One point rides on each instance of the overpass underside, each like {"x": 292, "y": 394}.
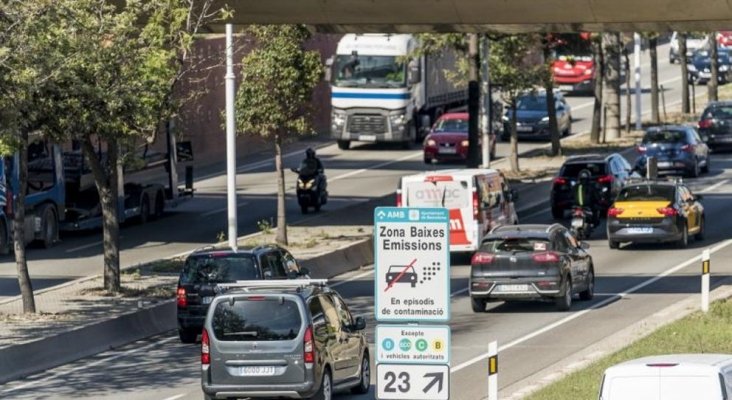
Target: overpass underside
{"x": 508, "y": 16}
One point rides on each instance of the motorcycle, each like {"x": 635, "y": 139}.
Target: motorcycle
{"x": 582, "y": 224}
{"x": 311, "y": 190}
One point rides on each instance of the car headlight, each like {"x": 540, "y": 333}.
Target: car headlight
{"x": 723, "y": 68}
{"x": 397, "y": 121}
{"x": 505, "y": 118}
{"x": 691, "y": 67}
{"x": 339, "y": 119}
{"x": 431, "y": 142}
{"x": 545, "y": 119}
{"x": 588, "y": 71}
{"x": 465, "y": 143}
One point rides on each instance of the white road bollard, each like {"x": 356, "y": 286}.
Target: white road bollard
{"x": 493, "y": 370}
{"x": 706, "y": 269}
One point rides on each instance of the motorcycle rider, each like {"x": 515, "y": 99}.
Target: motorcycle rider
{"x": 311, "y": 166}
{"x": 585, "y": 196}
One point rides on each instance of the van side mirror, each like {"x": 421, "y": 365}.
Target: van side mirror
{"x": 414, "y": 72}
{"x": 329, "y": 69}
{"x": 360, "y": 324}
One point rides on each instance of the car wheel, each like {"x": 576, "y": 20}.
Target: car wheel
{"x": 705, "y": 168}
{"x": 478, "y": 305}
{"x": 694, "y": 172}
{"x": 343, "y": 144}
{"x": 187, "y": 335}
{"x": 589, "y": 293}
{"x": 365, "y": 383}
{"x": 564, "y": 302}
{"x": 326, "y": 388}
{"x": 613, "y": 244}
{"x": 557, "y": 213}
{"x": 684, "y": 240}
{"x": 159, "y": 205}
{"x": 50, "y": 227}
{"x": 702, "y": 226}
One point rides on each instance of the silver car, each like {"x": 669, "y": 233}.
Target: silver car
{"x": 291, "y": 339}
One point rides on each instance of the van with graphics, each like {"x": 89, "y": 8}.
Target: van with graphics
{"x": 478, "y": 200}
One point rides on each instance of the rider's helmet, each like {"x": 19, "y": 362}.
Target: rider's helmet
{"x": 310, "y": 153}
{"x": 584, "y": 176}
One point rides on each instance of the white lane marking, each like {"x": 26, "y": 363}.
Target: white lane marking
{"x": 384, "y": 164}
{"x": 176, "y": 397}
{"x": 86, "y": 366}
{"x": 715, "y": 186}
{"x": 603, "y": 303}
{"x": 220, "y": 210}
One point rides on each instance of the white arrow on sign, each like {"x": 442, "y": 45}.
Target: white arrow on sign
{"x": 412, "y": 382}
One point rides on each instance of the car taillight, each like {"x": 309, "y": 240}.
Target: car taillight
{"x": 688, "y": 148}
{"x": 475, "y": 204}
{"x": 482, "y": 258}
{"x": 308, "y": 346}
{"x": 548, "y": 256}
{"x": 398, "y": 199}
{"x": 205, "y": 349}
{"x": 614, "y": 212}
{"x": 706, "y": 123}
{"x": 641, "y": 149}
{"x": 578, "y": 212}
{"x": 667, "y": 211}
{"x": 605, "y": 179}
{"x": 180, "y": 297}
{"x": 560, "y": 181}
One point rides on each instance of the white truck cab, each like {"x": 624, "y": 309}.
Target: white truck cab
{"x": 670, "y": 377}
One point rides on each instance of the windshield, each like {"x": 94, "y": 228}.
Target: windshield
{"x": 665, "y": 137}
{"x": 369, "y": 71}
{"x": 452, "y": 125}
{"x": 513, "y": 245}
{"x": 448, "y": 194}
{"x": 531, "y": 103}
{"x": 647, "y": 193}
{"x": 256, "y": 320}
{"x": 719, "y": 112}
{"x": 212, "y": 270}
{"x": 704, "y": 56}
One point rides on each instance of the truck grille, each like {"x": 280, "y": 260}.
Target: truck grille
{"x": 367, "y": 124}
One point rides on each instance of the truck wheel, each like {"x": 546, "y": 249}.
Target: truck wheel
{"x": 343, "y": 144}
{"x": 144, "y": 210}
{"x": 50, "y": 227}
{"x": 159, "y": 205}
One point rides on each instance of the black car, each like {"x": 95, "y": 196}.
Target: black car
{"x": 676, "y": 148}
{"x": 532, "y": 117}
{"x": 700, "y": 66}
{"x": 206, "y": 268}
{"x": 608, "y": 173}
{"x": 715, "y": 124}
{"x": 531, "y": 262}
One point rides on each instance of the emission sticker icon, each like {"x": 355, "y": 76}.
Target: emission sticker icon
{"x": 423, "y": 344}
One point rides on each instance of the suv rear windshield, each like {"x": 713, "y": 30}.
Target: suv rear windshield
{"x": 718, "y": 112}
{"x": 207, "y": 269}
{"x": 665, "y": 137}
{"x": 513, "y": 245}
{"x": 572, "y": 170}
{"x": 256, "y": 320}
{"x": 646, "y": 193}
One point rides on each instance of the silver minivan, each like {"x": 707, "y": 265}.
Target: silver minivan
{"x": 287, "y": 339}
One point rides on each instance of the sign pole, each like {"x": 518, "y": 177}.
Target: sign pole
{"x": 493, "y": 370}
{"x": 706, "y": 269}
{"x": 230, "y": 140}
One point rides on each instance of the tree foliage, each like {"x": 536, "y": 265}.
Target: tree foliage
{"x": 274, "y": 97}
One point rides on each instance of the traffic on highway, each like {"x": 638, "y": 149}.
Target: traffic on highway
{"x": 548, "y": 268}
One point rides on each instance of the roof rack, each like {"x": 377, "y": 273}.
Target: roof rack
{"x": 272, "y": 283}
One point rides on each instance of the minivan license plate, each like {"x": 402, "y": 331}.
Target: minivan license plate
{"x": 257, "y": 370}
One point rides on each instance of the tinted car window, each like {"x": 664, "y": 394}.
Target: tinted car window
{"x": 208, "y": 269}
{"x": 647, "y": 193}
{"x": 273, "y": 265}
{"x": 256, "y": 320}
{"x": 573, "y": 169}
{"x": 514, "y": 245}
{"x": 719, "y": 112}
{"x": 666, "y": 136}
{"x": 531, "y": 103}
{"x": 451, "y": 125}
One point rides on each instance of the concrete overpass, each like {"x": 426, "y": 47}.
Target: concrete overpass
{"x": 488, "y": 15}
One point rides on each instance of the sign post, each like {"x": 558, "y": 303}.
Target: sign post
{"x": 411, "y": 286}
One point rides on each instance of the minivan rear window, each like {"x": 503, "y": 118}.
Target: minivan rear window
{"x": 665, "y": 137}
{"x": 572, "y": 170}
{"x": 448, "y": 194}
{"x": 256, "y": 320}
{"x": 210, "y": 270}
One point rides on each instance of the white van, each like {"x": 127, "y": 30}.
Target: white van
{"x": 478, "y": 201}
{"x": 670, "y": 377}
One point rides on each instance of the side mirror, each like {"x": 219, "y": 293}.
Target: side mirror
{"x": 584, "y": 245}
{"x": 329, "y": 69}
{"x": 414, "y": 72}
{"x": 360, "y": 324}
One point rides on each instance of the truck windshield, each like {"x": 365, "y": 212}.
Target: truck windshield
{"x": 368, "y": 71}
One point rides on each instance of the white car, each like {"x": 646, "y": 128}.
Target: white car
{"x": 692, "y": 44}
{"x": 670, "y": 377}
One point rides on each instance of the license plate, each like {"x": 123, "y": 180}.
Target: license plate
{"x": 448, "y": 150}
{"x": 664, "y": 164}
{"x": 567, "y": 88}
{"x": 577, "y": 222}
{"x": 640, "y": 230}
{"x": 207, "y": 299}
{"x": 257, "y": 370}
{"x": 512, "y": 288}
{"x": 524, "y": 129}
{"x": 367, "y": 138}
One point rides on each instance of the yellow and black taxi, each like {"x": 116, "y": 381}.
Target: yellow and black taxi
{"x": 653, "y": 212}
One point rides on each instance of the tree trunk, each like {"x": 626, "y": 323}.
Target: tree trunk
{"x": 597, "y": 106}
{"x": 628, "y": 94}
{"x": 281, "y": 216}
{"x": 106, "y": 178}
{"x": 550, "y": 103}
{"x": 713, "y": 82}
{"x": 685, "y": 106}
{"x": 655, "y": 115}
{"x": 473, "y": 101}
{"x": 611, "y": 41}
{"x": 514, "y": 138}
{"x": 21, "y": 263}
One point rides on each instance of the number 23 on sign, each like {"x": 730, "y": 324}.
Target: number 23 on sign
{"x": 412, "y": 382}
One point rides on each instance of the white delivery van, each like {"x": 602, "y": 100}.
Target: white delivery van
{"x": 478, "y": 200}
{"x": 670, "y": 377}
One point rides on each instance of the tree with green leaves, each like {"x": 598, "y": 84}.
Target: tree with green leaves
{"x": 514, "y": 70}
{"x": 273, "y": 101}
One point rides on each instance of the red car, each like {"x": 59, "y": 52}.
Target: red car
{"x": 724, "y": 39}
{"x": 448, "y": 140}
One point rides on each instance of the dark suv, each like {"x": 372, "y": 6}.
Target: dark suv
{"x": 205, "y": 268}
{"x": 292, "y": 339}
{"x": 609, "y": 173}
{"x": 715, "y": 124}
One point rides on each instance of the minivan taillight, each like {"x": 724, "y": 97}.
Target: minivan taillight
{"x": 180, "y": 297}
{"x": 205, "y": 349}
{"x": 308, "y": 346}
{"x": 482, "y": 258}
